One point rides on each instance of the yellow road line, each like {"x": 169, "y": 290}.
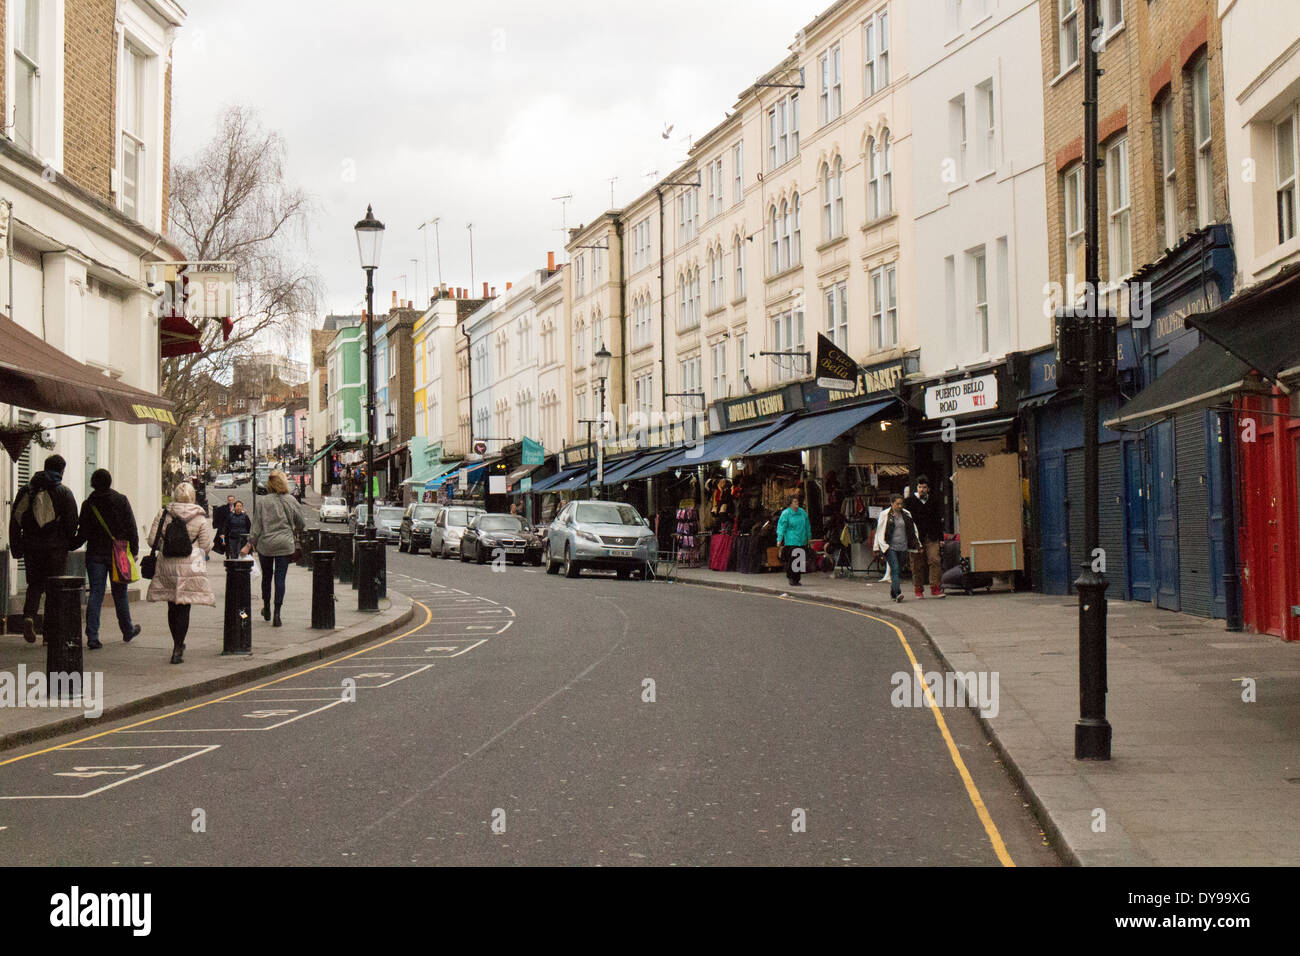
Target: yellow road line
{"x": 428, "y": 616}
{"x": 972, "y": 791}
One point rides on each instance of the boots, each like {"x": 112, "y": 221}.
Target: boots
{"x": 266, "y": 610}
{"x": 178, "y": 654}
{"x": 275, "y": 622}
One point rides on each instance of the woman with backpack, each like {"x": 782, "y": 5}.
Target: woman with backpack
{"x": 182, "y": 536}
{"x": 277, "y": 522}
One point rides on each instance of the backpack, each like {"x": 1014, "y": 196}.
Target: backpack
{"x": 176, "y": 540}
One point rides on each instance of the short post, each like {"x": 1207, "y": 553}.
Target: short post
{"x": 356, "y": 557}
{"x": 383, "y": 569}
{"x": 367, "y": 576}
{"x": 62, "y": 634}
{"x": 322, "y": 590}
{"x": 238, "y": 635}
{"x": 343, "y": 548}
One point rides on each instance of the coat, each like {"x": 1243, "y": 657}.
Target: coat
{"x": 927, "y": 516}
{"x": 26, "y": 534}
{"x": 115, "y": 509}
{"x": 883, "y": 529}
{"x": 184, "y": 580}
{"x": 793, "y": 529}
{"x": 276, "y": 525}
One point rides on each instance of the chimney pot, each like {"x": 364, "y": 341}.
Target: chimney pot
{"x": 485, "y": 290}
{"x": 508, "y": 285}
{"x": 394, "y": 298}
{"x": 494, "y": 292}
{"x": 550, "y": 262}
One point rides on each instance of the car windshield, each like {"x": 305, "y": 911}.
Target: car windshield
{"x": 388, "y": 514}
{"x": 425, "y": 512}
{"x": 500, "y": 523}
{"x": 460, "y": 516}
{"x": 606, "y": 512}
{"x": 333, "y": 501}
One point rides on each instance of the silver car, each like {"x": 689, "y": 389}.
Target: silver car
{"x": 599, "y": 534}
{"x": 444, "y": 538}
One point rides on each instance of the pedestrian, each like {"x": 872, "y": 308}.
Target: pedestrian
{"x": 106, "y": 516}
{"x": 895, "y": 536}
{"x": 42, "y": 527}
{"x": 220, "y": 517}
{"x": 926, "y": 514}
{"x": 181, "y": 579}
{"x": 238, "y": 526}
{"x": 793, "y": 531}
{"x": 274, "y": 537}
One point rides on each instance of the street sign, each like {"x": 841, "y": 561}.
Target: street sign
{"x": 533, "y": 453}
{"x": 480, "y": 448}
{"x": 1071, "y": 345}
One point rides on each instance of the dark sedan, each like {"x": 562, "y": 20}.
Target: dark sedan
{"x": 508, "y": 535}
{"x": 417, "y": 523}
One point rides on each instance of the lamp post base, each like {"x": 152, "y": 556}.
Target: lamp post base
{"x": 1092, "y": 739}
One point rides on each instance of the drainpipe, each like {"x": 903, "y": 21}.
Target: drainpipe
{"x": 622, "y": 307}
{"x": 663, "y": 333}
{"x": 469, "y": 379}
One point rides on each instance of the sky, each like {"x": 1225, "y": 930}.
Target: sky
{"x": 472, "y": 112}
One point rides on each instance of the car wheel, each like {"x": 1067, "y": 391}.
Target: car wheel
{"x": 623, "y": 574}
{"x": 444, "y": 553}
{"x": 571, "y": 568}
{"x": 479, "y": 556}
{"x": 552, "y": 566}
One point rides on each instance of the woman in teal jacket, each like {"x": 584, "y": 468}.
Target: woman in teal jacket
{"x": 793, "y": 532}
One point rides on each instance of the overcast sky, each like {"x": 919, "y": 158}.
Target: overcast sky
{"x": 470, "y": 111}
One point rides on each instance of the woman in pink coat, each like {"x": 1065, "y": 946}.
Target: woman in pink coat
{"x": 182, "y": 582}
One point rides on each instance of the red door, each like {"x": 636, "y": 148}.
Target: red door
{"x": 1271, "y": 587}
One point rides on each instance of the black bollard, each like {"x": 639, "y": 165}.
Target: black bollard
{"x": 238, "y": 635}
{"x": 356, "y": 557}
{"x": 367, "y": 576}
{"x": 322, "y": 590}
{"x": 63, "y": 635}
{"x": 311, "y": 544}
{"x": 345, "y": 564}
{"x": 383, "y": 569}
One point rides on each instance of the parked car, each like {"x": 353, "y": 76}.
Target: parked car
{"x": 417, "y": 523}
{"x": 599, "y": 534}
{"x": 357, "y": 519}
{"x": 261, "y": 473}
{"x": 333, "y": 509}
{"x": 514, "y": 536}
{"x": 388, "y": 522}
{"x": 224, "y": 481}
{"x": 444, "y": 538}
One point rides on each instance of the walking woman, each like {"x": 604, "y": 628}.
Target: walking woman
{"x": 895, "y": 537}
{"x": 181, "y": 581}
{"x": 277, "y": 523}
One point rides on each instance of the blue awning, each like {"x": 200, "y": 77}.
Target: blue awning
{"x": 549, "y": 483}
{"x": 453, "y": 472}
{"x": 717, "y": 447}
{"x": 576, "y": 479}
{"x": 814, "y": 431}
{"x": 616, "y": 472}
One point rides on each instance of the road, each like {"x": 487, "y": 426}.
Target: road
{"x": 527, "y": 719}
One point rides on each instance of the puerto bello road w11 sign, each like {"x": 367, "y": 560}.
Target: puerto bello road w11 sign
{"x": 962, "y": 397}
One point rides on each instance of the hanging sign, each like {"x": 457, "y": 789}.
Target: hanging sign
{"x": 966, "y": 396}
{"x": 835, "y": 369}
{"x": 532, "y": 453}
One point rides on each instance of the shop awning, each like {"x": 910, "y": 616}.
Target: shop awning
{"x": 814, "y": 431}
{"x": 550, "y": 481}
{"x": 435, "y": 478}
{"x": 36, "y": 375}
{"x": 1203, "y": 377}
{"x": 322, "y": 453}
{"x": 1259, "y": 326}
{"x": 712, "y": 448}
{"x": 618, "y": 471}
{"x": 988, "y": 428}
{"x": 519, "y": 474}
{"x": 580, "y": 478}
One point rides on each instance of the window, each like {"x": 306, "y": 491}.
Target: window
{"x": 875, "y": 45}
{"x": 643, "y": 386}
{"x": 1112, "y": 15}
{"x": 1201, "y": 127}
{"x": 597, "y": 267}
{"x": 713, "y": 182}
{"x": 880, "y": 177}
{"x": 884, "y": 308}
{"x": 954, "y": 17}
{"x": 1168, "y": 165}
{"x": 957, "y": 134}
{"x": 980, "y": 283}
{"x": 579, "y": 276}
{"x": 742, "y": 358}
{"x": 689, "y": 376}
{"x": 775, "y": 222}
{"x": 829, "y": 101}
{"x": 27, "y": 79}
{"x": 718, "y": 366}
{"x": 641, "y": 244}
{"x": 1118, "y": 211}
{"x": 795, "y": 229}
{"x": 737, "y": 173}
{"x": 688, "y": 299}
{"x": 579, "y": 343}
{"x": 833, "y": 199}
{"x": 738, "y": 251}
{"x": 837, "y": 314}
{"x": 1073, "y": 195}
{"x": 787, "y": 337}
{"x": 1285, "y": 137}
{"x": 92, "y": 454}
{"x": 783, "y": 130}
{"x": 887, "y": 175}
{"x": 988, "y": 124}
{"x": 716, "y": 292}
{"x": 688, "y": 210}
{"x": 641, "y": 321}
{"x": 1068, "y": 29}
{"x": 133, "y": 160}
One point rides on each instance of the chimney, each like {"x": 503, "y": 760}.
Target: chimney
{"x": 508, "y": 285}
{"x": 394, "y": 299}
{"x": 410, "y": 303}
{"x": 485, "y": 290}
{"x": 550, "y": 262}
{"x": 494, "y": 292}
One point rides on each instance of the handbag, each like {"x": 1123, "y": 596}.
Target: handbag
{"x": 149, "y": 563}
{"x": 122, "y": 569}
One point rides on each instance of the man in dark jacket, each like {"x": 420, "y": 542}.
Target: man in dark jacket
{"x": 42, "y": 524}
{"x": 106, "y": 516}
{"x": 221, "y": 518}
{"x": 927, "y": 513}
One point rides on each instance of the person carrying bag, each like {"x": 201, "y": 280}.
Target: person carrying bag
{"x": 107, "y": 528}
{"x": 277, "y": 522}
{"x": 180, "y": 573}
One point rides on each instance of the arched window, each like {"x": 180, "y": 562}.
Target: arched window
{"x": 739, "y": 253}
{"x": 873, "y": 180}
{"x": 887, "y": 175}
{"x": 787, "y": 224}
{"x": 774, "y": 222}
{"x": 796, "y": 231}
{"x": 828, "y": 215}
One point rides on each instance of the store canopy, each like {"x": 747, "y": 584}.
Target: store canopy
{"x": 712, "y": 448}
{"x": 435, "y": 478}
{"x": 986, "y": 428}
{"x": 322, "y": 453}
{"x": 519, "y": 474}
{"x": 36, "y": 375}
{"x": 1259, "y": 326}
{"x": 617, "y": 471}
{"x": 579, "y": 478}
{"x": 1201, "y": 378}
{"x": 814, "y": 431}
{"x": 550, "y": 481}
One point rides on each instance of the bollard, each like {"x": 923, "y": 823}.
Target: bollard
{"x": 310, "y": 545}
{"x": 356, "y": 557}
{"x": 322, "y": 590}
{"x": 367, "y": 576}
{"x": 345, "y": 565}
{"x": 383, "y": 569}
{"x": 63, "y": 635}
{"x": 238, "y": 635}
{"x": 304, "y": 551}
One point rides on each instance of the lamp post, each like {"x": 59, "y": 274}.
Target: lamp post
{"x": 603, "y": 358}
{"x": 370, "y": 240}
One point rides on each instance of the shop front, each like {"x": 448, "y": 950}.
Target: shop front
{"x": 966, "y": 440}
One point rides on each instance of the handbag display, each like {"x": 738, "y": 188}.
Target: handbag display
{"x": 122, "y": 568}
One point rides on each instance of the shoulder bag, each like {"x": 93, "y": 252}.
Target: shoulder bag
{"x": 149, "y": 563}
{"x": 122, "y": 569}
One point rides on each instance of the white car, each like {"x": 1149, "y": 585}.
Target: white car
{"x": 224, "y": 481}
{"x": 334, "y": 509}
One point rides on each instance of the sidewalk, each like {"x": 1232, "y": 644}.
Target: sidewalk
{"x": 1197, "y": 776}
{"x": 138, "y": 677}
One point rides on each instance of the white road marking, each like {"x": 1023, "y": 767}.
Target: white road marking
{"x": 199, "y": 751}
{"x": 236, "y": 730}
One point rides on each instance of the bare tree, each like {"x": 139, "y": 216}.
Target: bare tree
{"x": 231, "y": 202}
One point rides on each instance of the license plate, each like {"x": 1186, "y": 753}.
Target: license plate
{"x": 514, "y": 550}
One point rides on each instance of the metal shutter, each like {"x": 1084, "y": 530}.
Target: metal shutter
{"x": 1196, "y": 590}
{"x": 24, "y": 472}
{"x": 1074, "y": 505}
{"x": 1110, "y": 514}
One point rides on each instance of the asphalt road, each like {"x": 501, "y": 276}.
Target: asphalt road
{"x": 527, "y": 719}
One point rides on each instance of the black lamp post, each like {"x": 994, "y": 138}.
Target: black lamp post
{"x": 602, "y": 358}
{"x": 370, "y": 240}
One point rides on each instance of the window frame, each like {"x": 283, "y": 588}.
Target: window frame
{"x": 1168, "y": 168}
{"x": 835, "y": 299}
{"x": 1286, "y": 188}
{"x": 1203, "y": 147}
{"x": 1073, "y": 239}
{"x": 1119, "y": 217}
{"x": 1063, "y": 37}
{"x": 980, "y": 292}
{"x": 875, "y": 44}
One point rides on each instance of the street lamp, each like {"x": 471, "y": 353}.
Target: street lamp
{"x": 391, "y": 418}
{"x": 603, "y": 358}
{"x": 370, "y": 241}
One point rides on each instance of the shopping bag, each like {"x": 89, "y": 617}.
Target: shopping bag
{"x": 257, "y": 569}
{"x": 122, "y": 568}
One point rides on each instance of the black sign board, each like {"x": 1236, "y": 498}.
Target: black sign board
{"x": 1071, "y": 346}
{"x": 835, "y": 369}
